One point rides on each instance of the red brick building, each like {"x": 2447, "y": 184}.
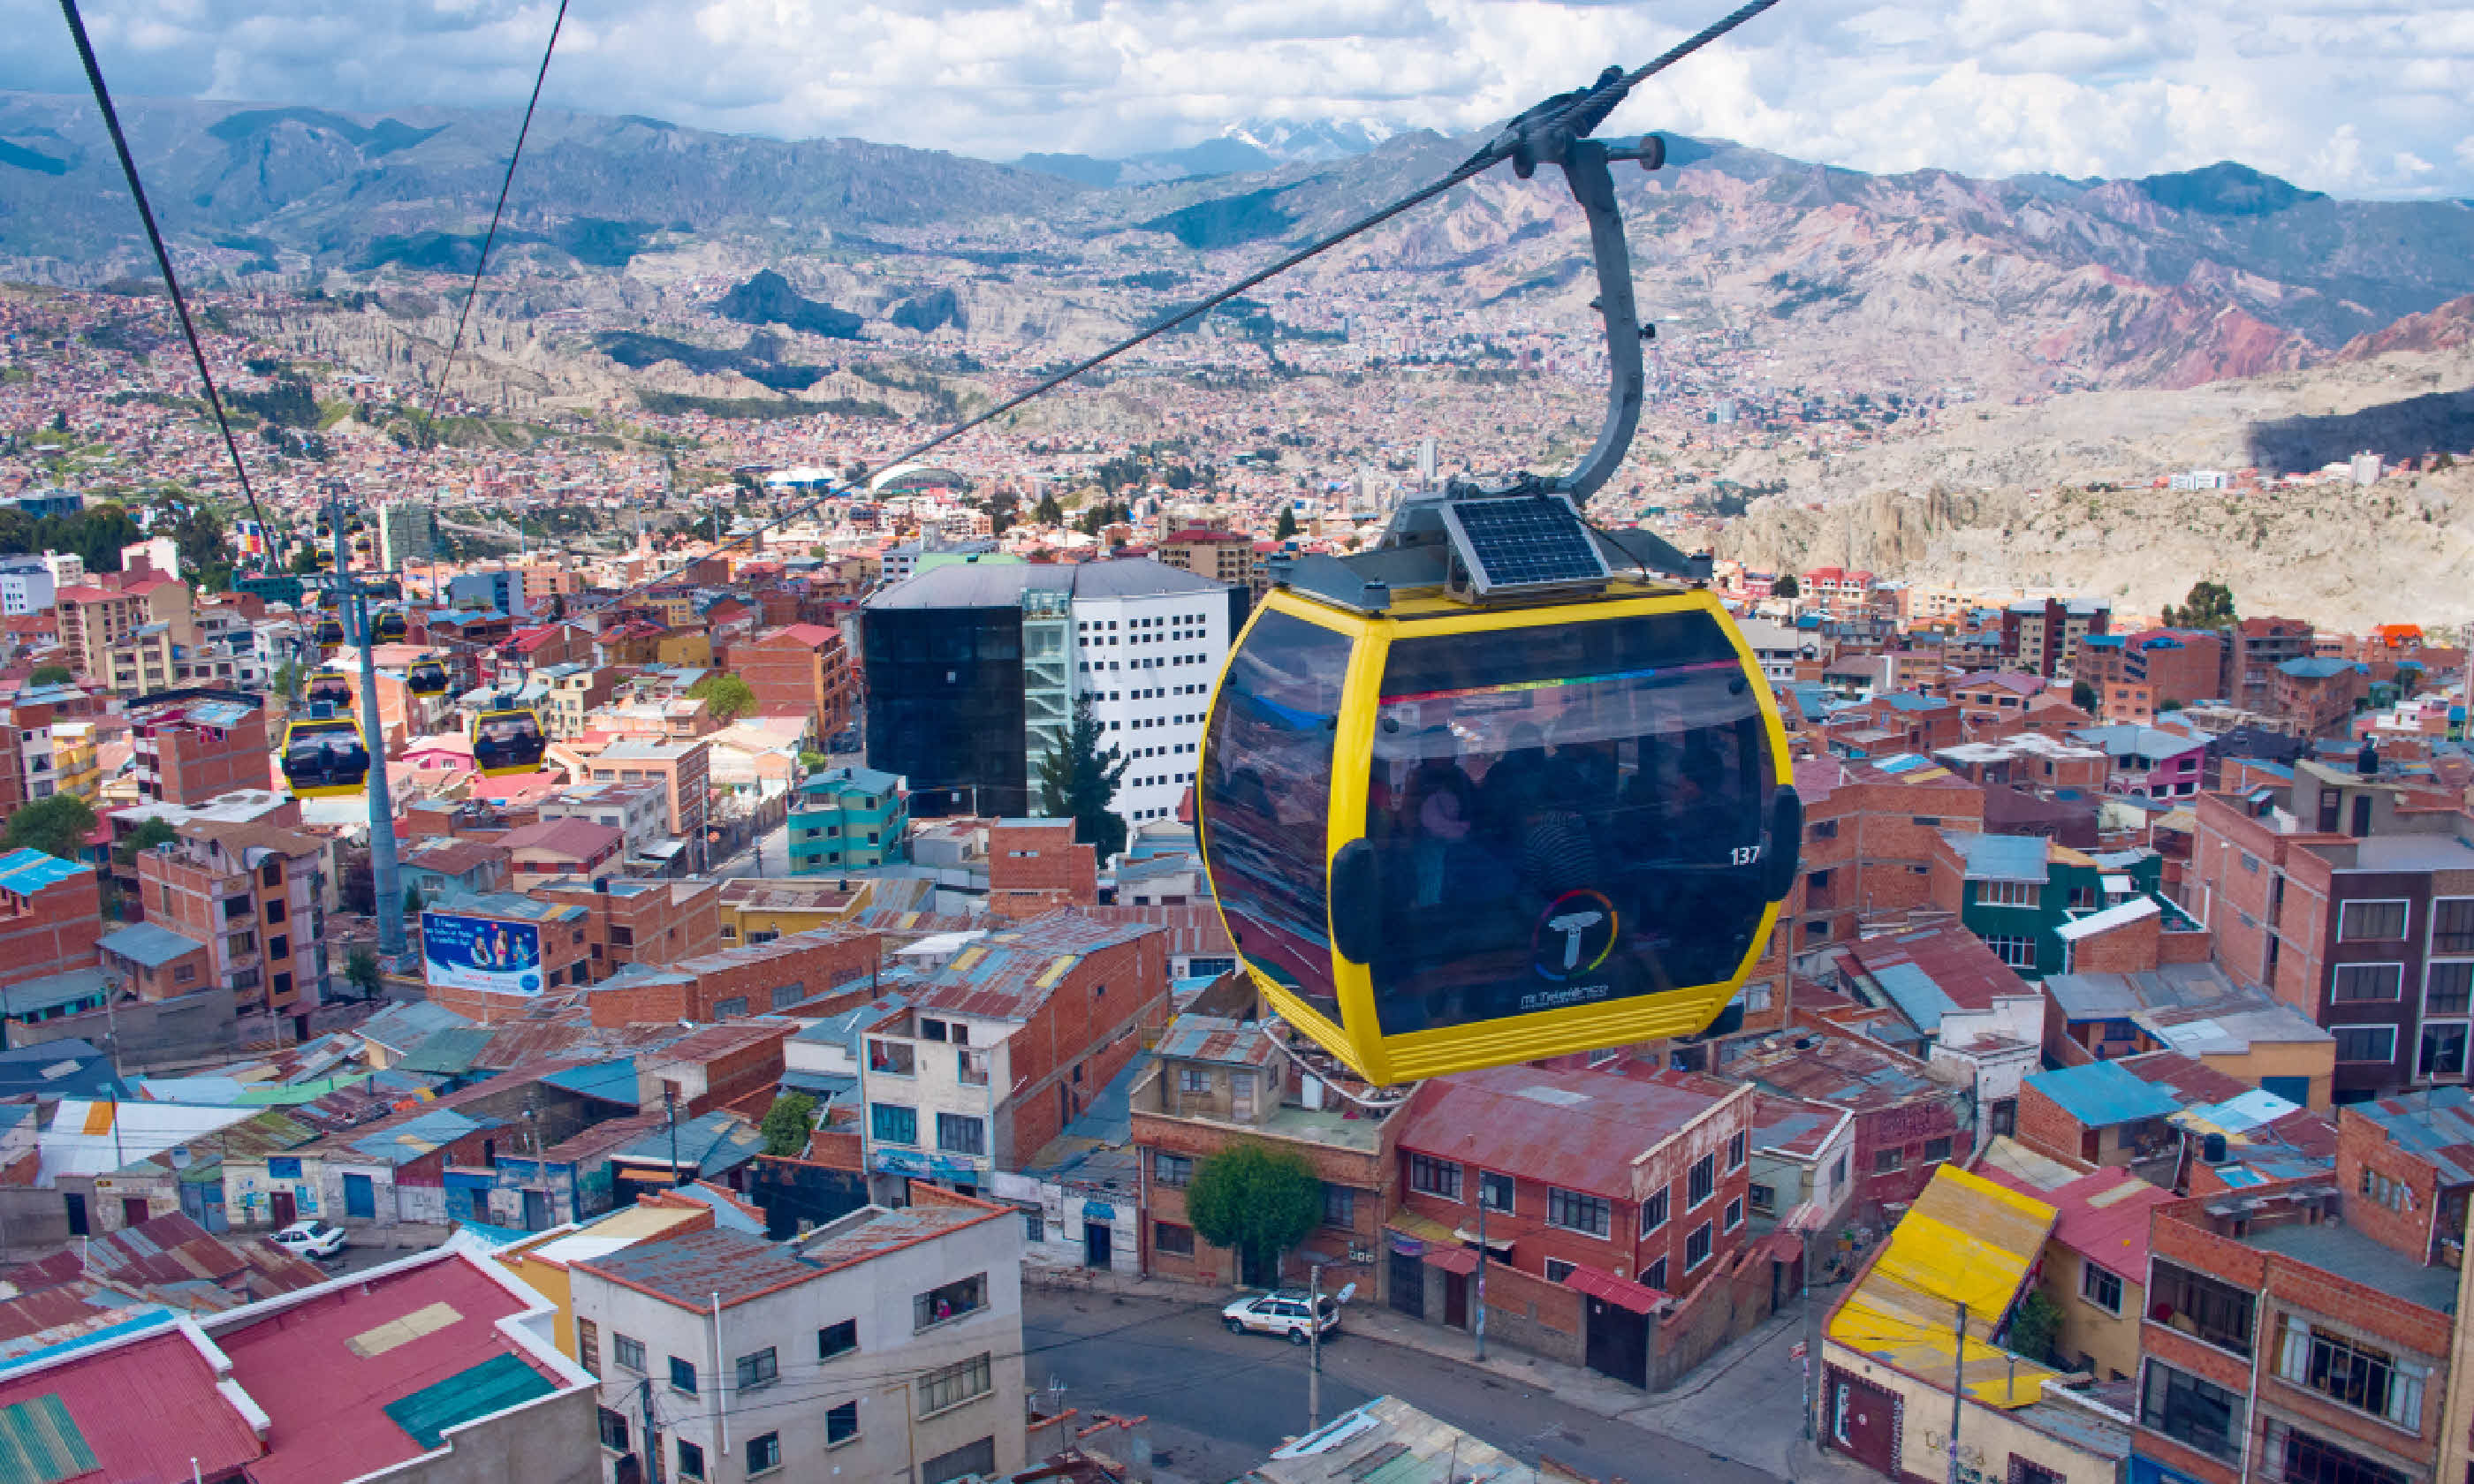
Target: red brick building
{"x": 2316, "y": 698}
{"x": 1906, "y": 1121}
{"x": 799, "y": 670}
{"x": 563, "y": 957}
{"x": 255, "y": 894}
{"x": 2136, "y": 675}
{"x": 826, "y": 971}
{"x": 2257, "y": 647}
{"x": 1638, "y": 1176}
{"x": 561, "y": 848}
{"x": 51, "y": 913}
{"x": 628, "y": 921}
{"x": 1035, "y": 867}
{"x": 193, "y": 746}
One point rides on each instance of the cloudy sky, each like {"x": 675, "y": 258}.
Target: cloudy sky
{"x": 2355, "y": 97}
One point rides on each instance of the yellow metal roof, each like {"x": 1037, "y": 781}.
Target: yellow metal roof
{"x": 1966, "y": 1241}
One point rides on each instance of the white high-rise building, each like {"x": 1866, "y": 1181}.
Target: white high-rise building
{"x": 1149, "y": 641}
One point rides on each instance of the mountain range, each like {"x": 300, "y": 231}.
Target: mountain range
{"x": 2018, "y": 285}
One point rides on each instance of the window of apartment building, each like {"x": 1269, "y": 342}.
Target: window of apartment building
{"x": 1172, "y": 1241}
{"x": 1557, "y": 1270}
{"x": 2443, "y": 1049}
{"x": 1936, "y": 1150}
{"x": 962, "y": 1134}
{"x": 841, "y": 1423}
{"x": 1821, "y": 829}
{"x": 956, "y": 1384}
{"x": 838, "y": 1339}
{"x": 2302, "y": 1458}
{"x": 2365, "y": 1043}
{"x": 1735, "y": 1151}
{"x": 1702, "y": 1182}
{"x": 952, "y": 1300}
{"x": 730, "y": 1009}
{"x": 1495, "y": 1192}
{"x": 980, "y": 1458}
{"x": 1338, "y": 1206}
{"x": 891, "y": 1058}
{"x": 2012, "y": 949}
{"x": 683, "y": 1375}
{"x": 588, "y": 1342}
{"x": 2448, "y": 988}
{"x": 2353, "y": 982}
{"x": 614, "y": 1431}
{"x": 761, "y": 1369}
{"x": 2191, "y": 1411}
{"x": 764, "y": 1455}
{"x": 2371, "y": 921}
{"x": 1652, "y": 1211}
{"x": 691, "y": 1460}
{"x": 628, "y": 1352}
{"x": 275, "y": 909}
{"x": 891, "y": 1123}
{"x": 272, "y": 873}
{"x": 2379, "y": 1189}
{"x": 1885, "y": 1161}
{"x": 281, "y": 987}
{"x": 1764, "y": 1198}
{"x": 2007, "y": 894}
{"x": 2452, "y": 924}
{"x": 1173, "y": 1170}
{"x": 1696, "y": 1247}
{"x": 2191, "y": 1301}
{"x": 1574, "y": 1211}
{"x": 1430, "y": 1175}
{"x": 2347, "y": 1370}
{"x": 1193, "y": 1079}
{"x": 2101, "y": 1286}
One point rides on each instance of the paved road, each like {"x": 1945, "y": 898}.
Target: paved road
{"x": 776, "y": 847}
{"x": 1217, "y": 1402}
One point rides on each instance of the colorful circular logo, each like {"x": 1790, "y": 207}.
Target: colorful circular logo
{"x": 1573, "y": 935}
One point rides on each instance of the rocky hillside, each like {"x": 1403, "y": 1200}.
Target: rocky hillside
{"x": 2000, "y": 497}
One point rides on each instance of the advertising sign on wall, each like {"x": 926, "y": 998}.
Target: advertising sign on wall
{"x": 480, "y": 953}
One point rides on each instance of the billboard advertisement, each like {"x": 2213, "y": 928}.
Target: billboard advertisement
{"x": 480, "y": 953}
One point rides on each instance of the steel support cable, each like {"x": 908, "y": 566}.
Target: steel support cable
{"x": 446, "y": 369}
{"x": 163, "y": 261}
{"x": 1591, "y": 105}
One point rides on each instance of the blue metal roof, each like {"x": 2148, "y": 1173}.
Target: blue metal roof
{"x": 411, "y": 1140}
{"x": 150, "y": 944}
{"x": 2317, "y": 669}
{"x": 2103, "y": 1093}
{"x": 1917, "y": 998}
{"x": 612, "y": 1082}
{"x": 2000, "y": 857}
{"x": 31, "y": 871}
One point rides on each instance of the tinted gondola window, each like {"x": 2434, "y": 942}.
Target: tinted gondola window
{"x": 1265, "y": 797}
{"x": 1564, "y": 816}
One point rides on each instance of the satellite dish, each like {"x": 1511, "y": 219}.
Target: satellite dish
{"x": 181, "y": 1156}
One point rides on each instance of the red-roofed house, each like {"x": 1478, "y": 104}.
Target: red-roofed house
{"x": 798, "y": 670}
{"x": 562, "y": 847}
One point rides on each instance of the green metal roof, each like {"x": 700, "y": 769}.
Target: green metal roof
{"x": 494, "y": 1385}
{"x": 39, "y": 1443}
{"x": 293, "y": 1093}
{"x": 448, "y": 1053}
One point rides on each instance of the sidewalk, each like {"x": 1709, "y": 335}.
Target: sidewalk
{"x": 1743, "y": 1405}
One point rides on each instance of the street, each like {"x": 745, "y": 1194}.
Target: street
{"x": 1219, "y": 1401}
{"x": 774, "y": 846}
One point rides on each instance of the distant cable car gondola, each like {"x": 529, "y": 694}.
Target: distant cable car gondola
{"x": 331, "y": 632}
{"x": 425, "y": 678}
{"x": 1473, "y": 797}
{"x": 324, "y": 756}
{"x": 507, "y": 738}
{"x": 330, "y": 689}
{"x": 391, "y": 628}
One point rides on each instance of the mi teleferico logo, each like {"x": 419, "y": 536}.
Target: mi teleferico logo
{"x": 1573, "y": 935}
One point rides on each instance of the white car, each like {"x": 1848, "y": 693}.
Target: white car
{"x": 1282, "y": 1313}
{"x": 310, "y": 1239}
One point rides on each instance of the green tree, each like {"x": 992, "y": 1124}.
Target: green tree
{"x": 1257, "y": 1200}
{"x": 361, "y": 970}
{"x": 1785, "y": 587}
{"x": 145, "y": 837}
{"x": 2207, "y": 605}
{"x": 726, "y": 695}
{"x": 787, "y": 1123}
{"x": 1287, "y": 526}
{"x": 413, "y": 901}
{"x": 1049, "y": 513}
{"x": 51, "y": 675}
{"x": 305, "y": 562}
{"x": 2034, "y": 1325}
{"x": 1079, "y": 781}
{"x": 2083, "y": 696}
{"x": 57, "y": 826}
{"x": 811, "y": 760}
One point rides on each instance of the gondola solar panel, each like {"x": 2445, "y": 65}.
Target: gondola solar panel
{"x": 1524, "y": 542}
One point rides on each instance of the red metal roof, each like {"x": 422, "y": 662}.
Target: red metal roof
{"x": 1622, "y": 1292}
{"x": 1579, "y": 1129}
{"x": 147, "y": 1410}
{"x": 1954, "y": 959}
{"x": 1462, "y": 1260}
{"x": 2103, "y": 1216}
{"x": 324, "y": 1398}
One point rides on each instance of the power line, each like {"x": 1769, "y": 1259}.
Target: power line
{"x": 163, "y": 261}
{"x": 430, "y": 423}
{"x": 1577, "y": 112}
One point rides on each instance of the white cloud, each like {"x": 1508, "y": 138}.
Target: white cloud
{"x": 2348, "y": 96}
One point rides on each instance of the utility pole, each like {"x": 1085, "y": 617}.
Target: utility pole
{"x": 1314, "y": 1348}
{"x": 671, "y": 1106}
{"x": 1479, "y": 1326}
{"x": 1957, "y": 1389}
{"x": 1811, "y": 1333}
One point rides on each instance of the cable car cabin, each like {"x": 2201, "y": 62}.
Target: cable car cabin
{"x": 331, "y": 632}
{"x": 390, "y": 627}
{"x": 330, "y": 688}
{"x": 507, "y": 739}
{"x": 325, "y": 757}
{"x": 425, "y": 678}
{"x": 1470, "y": 799}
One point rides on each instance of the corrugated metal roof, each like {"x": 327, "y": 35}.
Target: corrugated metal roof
{"x": 186, "y": 1419}
{"x": 1966, "y": 1241}
{"x": 2103, "y": 1093}
{"x": 2000, "y": 857}
{"x": 28, "y": 872}
{"x": 39, "y": 1443}
{"x": 495, "y": 1384}
{"x": 449, "y": 1053}
{"x": 1579, "y": 1129}
{"x": 150, "y": 944}
{"x": 1200, "y": 1037}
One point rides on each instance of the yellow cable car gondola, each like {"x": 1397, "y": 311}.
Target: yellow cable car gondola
{"x": 330, "y": 688}
{"x": 507, "y": 738}
{"x": 331, "y": 632}
{"x": 324, "y": 756}
{"x": 391, "y": 628}
{"x": 426, "y": 677}
{"x": 1472, "y": 798}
